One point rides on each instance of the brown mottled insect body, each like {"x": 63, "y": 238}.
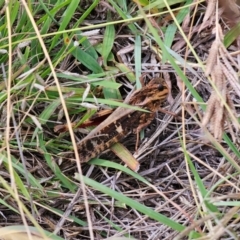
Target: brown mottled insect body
{"x": 116, "y": 132}
{"x": 124, "y": 121}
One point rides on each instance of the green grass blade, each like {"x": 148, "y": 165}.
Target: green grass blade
{"x": 108, "y": 40}
{"x": 106, "y": 163}
{"x": 86, "y": 59}
{"x": 138, "y": 60}
{"x": 172, "y": 28}
{"x": 49, "y": 14}
{"x": 134, "y": 204}
{"x": 231, "y": 145}
{"x": 87, "y": 12}
{"x": 74, "y": 218}
{"x": 171, "y": 60}
{"x": 14, "y": 11}
{"x": 54, "y": 167}
{"x": 87, "y": 46}
{"x": 4, "y": 203}
{"x": 17, "y": 166}
{"x": 232, "y": 35}
{"x": 123, "y": 15}
{"x": 48, "y": 111}
{"x": 200, "y": 184}
{"x": 111, "y": 93}
{"x": 66, "y": 18}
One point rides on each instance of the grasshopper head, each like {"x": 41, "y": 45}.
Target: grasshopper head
{"x": 153, "y": 93}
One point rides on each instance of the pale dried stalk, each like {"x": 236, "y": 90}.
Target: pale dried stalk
{"x": 218, "y": 120}
{"x": 233, "y": 110}
{"x": 212, "y": 57}
{"x": 210, "y": 109}
{"x": 229, "y": 56}
{"x": 169, "y": 83}
{"x": 210, "y": 10}
{"x": 232, "y": 80}
{"x": 215, "y": 111}
{"x": 228, "y": 70}
{"x": 217, "y": 114}
{"x": 209, "y": 14}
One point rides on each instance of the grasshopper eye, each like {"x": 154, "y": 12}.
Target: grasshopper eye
{"x": 160, "y": 87}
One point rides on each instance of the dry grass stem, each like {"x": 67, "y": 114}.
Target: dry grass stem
{"x": 209, "y": 14}
{"x": 212, "y": 57}
{"x": 217, "y": 114}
